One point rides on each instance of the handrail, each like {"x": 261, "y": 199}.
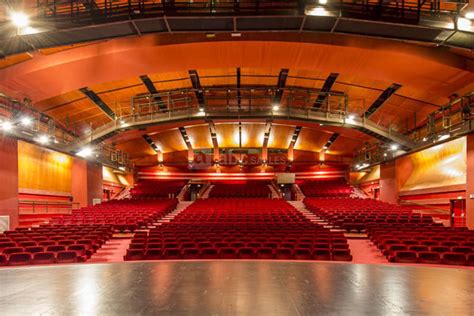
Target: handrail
{"x": 256, "y": 103}
{"x": 47, "y": 206}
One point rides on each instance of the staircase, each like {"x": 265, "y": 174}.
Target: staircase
{"x": 183, "y": 191}
{"x": 299, "y": 205}
{"x": 358, "y": 193}
{"x": 124, "y": 194}
{"x": 299, "y": 194}
{"x": 179, "y": 208}
{"x": 275, "y": 193}
{"x": 205, "y": 193}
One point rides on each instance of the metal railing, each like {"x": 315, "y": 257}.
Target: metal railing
{"x": 89, "y": 11}
{"x": 47, "y": 207}
{"x": 237, "y": 104}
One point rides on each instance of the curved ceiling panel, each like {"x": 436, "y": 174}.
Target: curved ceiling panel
{"x": 169, "y": 141}
{"x": 435, "y": 72}
{"x": 280, "y": 136}
{"x": 199, "y": 136}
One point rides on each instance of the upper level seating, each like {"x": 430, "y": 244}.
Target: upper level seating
{"x": 121, "y": 215}
{"x": 356, "y": 214}
{"x": 420, "y": 243}
{"x": 326, "y": 188}
{"x": 248, "y": 190}
{"x": 52, "y": 244}
{"x": 239, "y": 229}
{"x": 156, "y": 189}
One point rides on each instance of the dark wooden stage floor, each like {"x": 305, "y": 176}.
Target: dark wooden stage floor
{"x": 235, "y": 288}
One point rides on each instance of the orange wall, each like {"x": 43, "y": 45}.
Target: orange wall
{"x": 439, "y": 166}
{"x": 43, "y": 170}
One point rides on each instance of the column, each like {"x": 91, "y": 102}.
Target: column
{"x": 9, "y": 177}
{"x": 470, "y": 181}
{"x": 388, "y": 183}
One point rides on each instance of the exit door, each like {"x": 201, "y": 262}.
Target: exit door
{"x": 458, "y": 213}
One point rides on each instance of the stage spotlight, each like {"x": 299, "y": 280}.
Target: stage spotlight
{"x": 7, "y": 126}
{"x": 85, "y": 152}
{"x": 26, "y": 121}
{"x": 43, "y": 139}
{"x": 19, "y": 19}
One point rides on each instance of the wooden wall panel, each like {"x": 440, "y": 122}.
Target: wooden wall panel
{"x": 43, "y": 170}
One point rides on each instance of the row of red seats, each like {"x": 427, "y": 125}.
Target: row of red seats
{"x": 153, "y": 189}
{"x": 121, "y": 215}
{"x": 239, "y": 229}
{"x": 358, "y": 214}
{"x": 239, "y": 253}
{"x": 240, "y": 191}
{"x": 44, "y": 245}
{"x": 445, "y": 245}
{"x": 326, "y": 188}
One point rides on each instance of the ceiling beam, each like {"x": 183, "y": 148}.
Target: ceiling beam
{"x": 185, "y": 136}
{"x": 239, "y": 101}
{"x": 266, "y": 137}
{"x": 280, "y": 86}
{"x": 331, "y": 141}
{"x": 194, "y": 76}
{"x": 152, "y": 144}
{"x": 383, "y": 97}
{"x": 215, "y": 143}
{"x": 327, "y": 86}
{"x": 152, "y": 89}
{"x": 293, "y": 141}
{"x": 99, "y": 102}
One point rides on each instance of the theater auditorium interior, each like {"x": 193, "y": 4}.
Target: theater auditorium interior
{"x": 236, "y": 157}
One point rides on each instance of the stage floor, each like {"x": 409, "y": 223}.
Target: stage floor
{"x": 235, "y": 288}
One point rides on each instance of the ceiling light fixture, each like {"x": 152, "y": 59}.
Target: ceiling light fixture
{"x": 26, "y": 121}
{"x": 43, "y": 139}
{"x": 19, "y": 19}
{"x": 469, "y": 15}
{"x": 7, "y": 126}
{"x": 393, "y": 147}
{"x": 85, "y": 152}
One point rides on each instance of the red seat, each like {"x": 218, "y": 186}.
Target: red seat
{"x": 341, "y": 255}
{"x": 66, "y": 257}
{"x": 43, "y": 258}
{"x": 34, "y": 249}
{"x": 172, "y": 253}
{"x": 470, "y": 259}
{"x": 209, "y": 253}
{"x": 134, "y": 254}
{"x": 3, "y": 260}
{"x": 405, "y": 256}
{"x": 429, "y": 257}
{"x": 228, "y": 253}
{"x": 284, "y": 254}
{"x": 454, "y": 258}
{"x": 190, "y": 253}
{"x": 302, "y": 254}
{"x": 246, "y": 253}
{"x": 321, "y": 254}
{"x": 19, "y": 259}
{"x": 153, "y": 254}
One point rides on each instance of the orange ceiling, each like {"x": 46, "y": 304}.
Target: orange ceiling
{"x": 112, "y": 68}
